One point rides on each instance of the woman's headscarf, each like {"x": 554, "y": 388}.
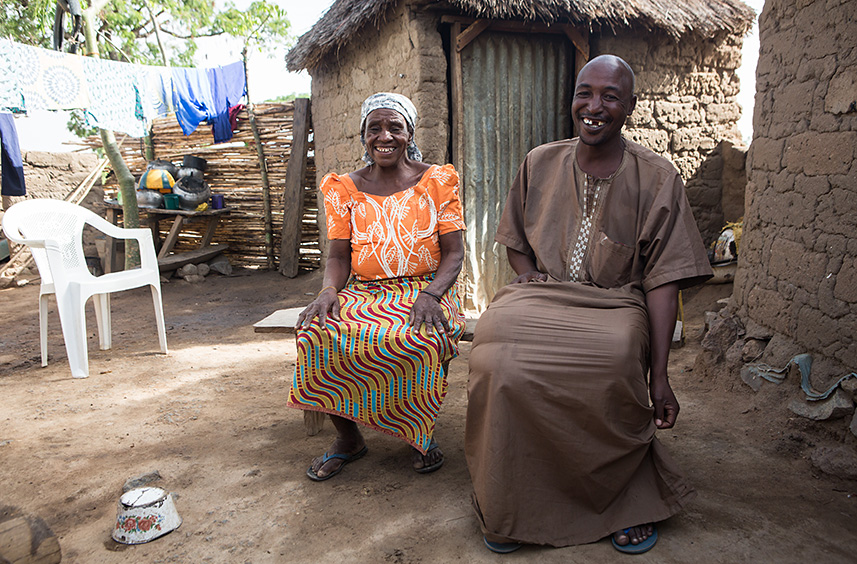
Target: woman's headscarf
{"x": 397, "y": 103}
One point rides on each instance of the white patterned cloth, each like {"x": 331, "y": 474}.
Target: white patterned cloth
{"x": 11, "y": 95}
{"x": 115, "y": 97}
{"x": 155, "y": 85}
{"x": 50, "y": 80}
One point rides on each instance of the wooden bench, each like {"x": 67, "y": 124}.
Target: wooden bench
{"x": 284, "y": 321}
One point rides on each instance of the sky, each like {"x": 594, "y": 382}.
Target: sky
{"x": 46, "y": 131}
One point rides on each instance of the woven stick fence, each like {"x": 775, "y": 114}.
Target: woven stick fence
{"x": 233, "y": 170}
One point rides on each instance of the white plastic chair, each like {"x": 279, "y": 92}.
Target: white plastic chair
{"x": 53, "y": 229}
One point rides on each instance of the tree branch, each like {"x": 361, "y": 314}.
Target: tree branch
{"x": 178, "y": 35}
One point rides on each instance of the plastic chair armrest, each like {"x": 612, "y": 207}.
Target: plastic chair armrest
{"x": 15, "y": 236}
{"x": 114, "y": 231}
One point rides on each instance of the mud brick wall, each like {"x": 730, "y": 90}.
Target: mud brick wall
{"x": 687, "y": 111}
{"x": 405, "y": 56}
{"x": 56, "y": 175}
{"x": 798, "y": 261}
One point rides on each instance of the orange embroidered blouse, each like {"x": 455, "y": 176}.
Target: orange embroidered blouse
{"x": 396, "y": 235}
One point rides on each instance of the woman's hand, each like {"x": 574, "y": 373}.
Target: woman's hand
{"x": 531, "y": 276}
{"x": 426, "y": 310}
{"x": 327, "y": 303}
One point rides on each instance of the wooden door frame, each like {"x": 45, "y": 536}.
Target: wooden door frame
{"x": 464, "y": 31}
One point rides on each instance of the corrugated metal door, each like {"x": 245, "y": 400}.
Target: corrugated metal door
{"x": 516, "y": 95}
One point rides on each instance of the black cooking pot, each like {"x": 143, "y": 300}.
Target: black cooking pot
{"x": 159, "y": 164}
{"x": 190, "y": 161}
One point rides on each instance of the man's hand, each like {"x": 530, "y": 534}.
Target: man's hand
{"x": 531, "y": 276}
{"x": 665, "y": 403}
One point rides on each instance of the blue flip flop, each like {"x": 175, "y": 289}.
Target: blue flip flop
{"x": 346, "y": 458}
{"x": 502, "y": 547}
{"x": 639, "y": 548}
{"x": 432, "y": 467}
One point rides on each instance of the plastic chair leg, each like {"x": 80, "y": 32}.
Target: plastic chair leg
{"x": 159, "y": 317}
{"x": 43, "y": 327}
{"x": 103, "y": 320}
{"x": 73, "y": 324}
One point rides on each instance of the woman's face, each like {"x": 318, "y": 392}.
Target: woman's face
{"x": 387, "y": 136}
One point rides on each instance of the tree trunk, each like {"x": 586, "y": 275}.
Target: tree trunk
{"x": 130, "y": 213}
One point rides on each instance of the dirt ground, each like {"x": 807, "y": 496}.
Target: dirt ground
{"x": 210, "y": 417}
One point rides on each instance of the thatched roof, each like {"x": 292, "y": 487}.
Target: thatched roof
{"x": 675, "y": 17}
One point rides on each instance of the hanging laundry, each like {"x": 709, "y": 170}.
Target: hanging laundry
{"x": 50, "y": 80}
{"x": 114, "y": 97}
{"x": 191, "y": 97}
{"x": 11, "y": 95}
{"x": 228, "y": 86}
{"x": 10, "y": 158}
{"x": 233, "y": 115}
{"x": 156, "y": 91}
{"x": 206, "y": 95}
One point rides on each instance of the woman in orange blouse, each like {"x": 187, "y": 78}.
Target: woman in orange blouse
{"x": 373, "y": 344}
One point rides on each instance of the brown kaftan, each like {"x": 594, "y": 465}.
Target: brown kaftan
{"x": 560, "y": 435}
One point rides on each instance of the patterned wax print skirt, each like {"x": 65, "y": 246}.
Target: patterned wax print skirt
{"x": 371, "y": 368}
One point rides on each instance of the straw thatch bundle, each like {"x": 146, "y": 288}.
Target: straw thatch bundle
{"x": 677, "y": 18}
{"x": 233, "y": 170}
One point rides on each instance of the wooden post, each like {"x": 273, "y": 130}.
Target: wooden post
{"x": 580, "y": 39}
{"x": 266, "y": 188}
{"x": 313, "y": 422}
{"x": 263, "y": 168}
{"x": 293, "y": 194}
{"x": 457, "y": 87}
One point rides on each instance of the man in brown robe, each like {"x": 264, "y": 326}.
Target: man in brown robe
{"x": 560, "y": 439}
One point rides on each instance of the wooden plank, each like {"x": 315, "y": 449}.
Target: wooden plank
{"x": 172, "y": 237}
{"x": 111, "y": 261}
{"x": 473, "y": 31}
{"x": 285, "y": 320}
{"x": 580, "y": 41}
{"x": 581, "y": 56}
{"x": 178, "y": 260}
{"x": 457, "y": 87}
{"x": 293, "y": 192}
{"x": 313, "y": 422}
{"x": 155, "y": 228}
{"x": 112, "y": 204}
{"x": 210, "y": 228}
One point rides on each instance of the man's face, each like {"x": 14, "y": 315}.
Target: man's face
{"x": 602, "y": 100}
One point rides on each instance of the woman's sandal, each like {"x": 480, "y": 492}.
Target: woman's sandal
{"x": 346, "y": 458}
{"x": 431, "y": 468}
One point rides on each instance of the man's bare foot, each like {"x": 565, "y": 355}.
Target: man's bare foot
{"x": 634, "y": 535}
{"x": 430, "y": 461}
{"x": 340, "y": 453}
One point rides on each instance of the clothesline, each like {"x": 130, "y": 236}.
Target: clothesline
{"x": 119, "y": 96}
